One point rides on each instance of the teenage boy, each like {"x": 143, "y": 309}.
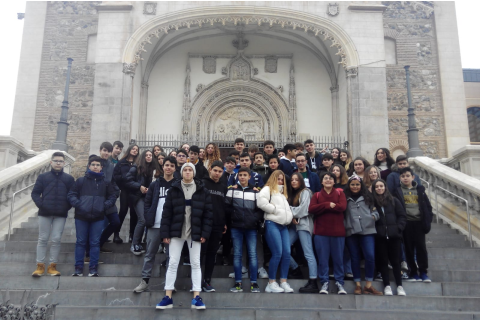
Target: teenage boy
{"x": 154, "y": 201}
{"x": 239, "y": 145}
{"x": 242, "y": 205}
{"x": 393, "y": 179}
{"x": 252, "y": 149}
{"x": 287, "y": 162}
{"x": 299, "y": 147}
{"x": 229, "y": 169}
{"x": 314, "y": 158}
{"x": 209, "y": 249}
{"x": 259, "y": 165}
{"x": 419, "y": 218}
{"x": 91, "y": 196}
{"x": 50, "y": 196}
{"x": 311, "y": 179}
{"x": 182, "y": 157}
{"x": 201, "y": 171}
{"x": 255, "y": 179}
{"x": 327, "y": 162}
{"x": 236, "y": 155}
{"x": 268, "y": 148}
{"x": 117, "y": 150}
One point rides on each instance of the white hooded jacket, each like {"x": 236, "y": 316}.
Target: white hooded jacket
{"x": 275, "y": 207}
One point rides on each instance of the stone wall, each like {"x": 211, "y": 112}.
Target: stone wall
{"x": 67, "y": 27}
{"x": 411, "y": 25}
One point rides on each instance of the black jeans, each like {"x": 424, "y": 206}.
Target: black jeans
{"x": 125, "y": 204}
{"x": 388, "y": 249}
{"x": 209, "y": 251}
{"x": 414, "y": 239}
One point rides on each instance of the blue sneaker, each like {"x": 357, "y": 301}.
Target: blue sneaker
{"x": 425, "y": 278}
{"x": 166, "y": 303}
{"x": 197, "y": 303}
{"x": 414, "y": 278}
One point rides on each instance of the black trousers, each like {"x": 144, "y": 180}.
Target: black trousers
{"x": 227, "y": 239}
{"x": 388, "y": 249}
{"x": 126, "y": 204}
{"x": 209, "y": 252}
{"x": 414, "y": 239}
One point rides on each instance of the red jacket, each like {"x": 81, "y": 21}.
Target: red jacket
{"x": 328, "y": 221}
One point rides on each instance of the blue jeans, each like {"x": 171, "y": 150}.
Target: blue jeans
{"x": 356, "y": 245}
{"x": 110, "y": 224}
{"x": 278, "y": 240}
{"x": 347, "y": 261}
{"x": 250, "y": 235}
{"x": 307, "y": 246}
{"x": 326, "y": 247}
{"x": 87, "y": 232}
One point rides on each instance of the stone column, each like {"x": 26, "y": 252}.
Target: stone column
{"x": 353, "y": 112}
{"x": 142, "y": 121}
{"x": 335, "y": 112}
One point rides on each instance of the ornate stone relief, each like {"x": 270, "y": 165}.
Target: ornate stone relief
{"x": 240, "y": 43}
{"x": 186, "y": 102}
{"x": 150, "y": 8}
{"x": 333, "y": 9}
{"x": 271, "y": 64}
{"x": 199, "y": 87}
{"x": 240, "y": 120}
{"x": 210, "y": 64}
{"x": 352, "y": 72}
{"x": 224, "y": 70}
{"x": 240, "y": 70}
{"x": 129, "y": 68}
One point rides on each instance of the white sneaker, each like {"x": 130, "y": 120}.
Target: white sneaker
{"x": 404, "y": 266}
{"x": 244, "y": 274}
{"x": 220, "y": 249}
{"x": 400, "y": 291}
{"x": 141, "y": 287}
{"x": 262, "y": 273}
{"x": 286, "y": 287}
{"x": 273, "y": 288}
{"x": 388, "y": 291}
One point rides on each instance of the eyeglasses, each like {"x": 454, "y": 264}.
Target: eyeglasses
{"x": 58, "y": 161}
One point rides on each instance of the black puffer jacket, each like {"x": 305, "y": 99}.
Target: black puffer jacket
{"x": 134, "y": 181}
{"x": 242, "y": 207}
{"x": 392, "y": 220}
{"x": 173, "y": 214}
{"x": 50, "y": 193}
{"x": 217, "y": 190}
{"x": 91, "y": 196}
{"x": 120, "y": 173}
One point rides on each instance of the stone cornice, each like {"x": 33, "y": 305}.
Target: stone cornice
{"x": 367, "y": 7}
{"x": 115, "y": 6}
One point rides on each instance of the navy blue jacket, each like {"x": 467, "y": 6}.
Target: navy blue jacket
{"x": 91, "y": 196}
{"x": 423, "y": 204}
{"x": 314, "y": 181}
{"x": 318, "y": 161}
{"x": 393, "y": 179}
{"x": 287, "y": 166}
{"x": 120, "y": 173}
{"x": 255, "y": 180}
{"x": 50, "y": 193}
{"x": 242, "y": 207}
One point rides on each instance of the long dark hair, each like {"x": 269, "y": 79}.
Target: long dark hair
{"x": 127, "y": 153}
{"x": 146, "y": 169}
{"x": 388, "y": 158}
{"x": 363, "y": 191}
{"x": 294, "y": 197}
{"x": 381, "y": 199}
{"x": 343, "y": 174}
{"x": 366, "y": 164}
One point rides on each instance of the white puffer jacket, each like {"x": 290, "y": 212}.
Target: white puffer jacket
{"x": 276, "y": 207}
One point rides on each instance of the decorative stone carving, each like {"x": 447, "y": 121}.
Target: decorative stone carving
{"x": 333, "y": 9}
{"x": 129, "y": 68}
{"x": 408, "y": 9}
{"x": 280, "y": 87}
{"x": 210, "y": 64}
{"x": 240, "y": 43}
{"x": 241, "y": 121}
{"x": 150, "y": 8}
{"x": 352, "y": 72}
{"x": 271, "y": 64}
{"x": 255, "y": 71}
{"x": 292, "y": 102}
{"x": 240, "y": 70}
{"x": 424, "y": 53}
{"x": 424, "y": 79}
{"x": 186, "y": 101}
{"x": 224, "y": 70}
{"x": 199, "y": 87}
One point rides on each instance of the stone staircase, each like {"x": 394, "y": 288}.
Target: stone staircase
{"x": 453, "y": 294}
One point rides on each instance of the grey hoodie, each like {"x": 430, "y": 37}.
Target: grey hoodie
{"x": 301, "y": 212}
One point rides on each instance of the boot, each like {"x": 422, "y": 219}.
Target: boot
{"x": 40, "y": 270}
{"x": 295, "y": 274}
{"x": 52, "y": 270}
{"x": 117, "y": 239}
{"x": 310, "y": 287}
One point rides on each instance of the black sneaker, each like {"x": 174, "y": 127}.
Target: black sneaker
{"x": 93, "y": 272}
{"x": 117, "y": 239}
{"x": 225, "y": 261}
{"x": 237, "y": 287}
{"x": 136, "y": 250}
{"x": 206, "y": 287}
{"x": 142, "y": 248}
{"x": 295, "y": 274}
{"x": 186, "y": 261}
{"x": 254, "y": 288}
{"x": 78, "y": 272}
{"x": 105, "y": 250}
{"x": 164, "y": 263}
{"x": 310, "y": 287}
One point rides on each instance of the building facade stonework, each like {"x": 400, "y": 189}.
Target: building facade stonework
{"x": 187, "y": 68}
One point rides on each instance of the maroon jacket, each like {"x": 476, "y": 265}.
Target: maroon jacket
{"x": 328, "y": 221}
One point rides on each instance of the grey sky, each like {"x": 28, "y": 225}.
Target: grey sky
{"x": 11, "y": 34}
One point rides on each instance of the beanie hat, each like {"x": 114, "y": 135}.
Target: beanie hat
{"x": 188, "y": 164}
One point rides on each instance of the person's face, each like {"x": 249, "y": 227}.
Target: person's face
{"x": 210, "y": 149}
{"x": 239, "y": 146}
{"x": 193, "y": 156}
{"x": 358, "y": 166}
{"x": 301, "y": 163}
{"x": 252, "y": 154}
{"x": 216, "y": 173}
{"x": 373, "y": 174}
{"x": 187, "y": 174}
{"x": 381, "y": 156}
{"x": 268, "y": 149}
{"x": 181, "y": 158}
{"x": 310, "y": 147}
{"x": 259, "y": 160}
{"x": 148, "y": 157}
{"x": 292, "y": 153}
{"x": 295, "y": 182}
{"x": 57, "y": 163}
{"x": 380, "y": 188}
{"x": 281, "y": 154}
{"x": 343, "y": 156}
{"x": 160, "y": 159}
{"x": 156, "y": 151}
{"x": 201, "y": 155}
{"x": 327, "y": 163}
{"x": 245, "y": 162}
{"x": 230, "y": 166}
{"x": 336, "y": 171}
{"x": 402, "y": 164}
{"x": 280, "y": 180}
{"x": 95, "y": 166}
{"x": 406, "y": 178}
{"x": 173, "y": 154}
{"x": 335, "y": 153}
{"x": 168, "y": 168}
{"x": 134, "y": 151}
{"x": 237, "y": 158}
{"x": 105, "y": 154}
{"x": 186, "y": 147}
{"x": 273, "y": 164}
{"x": 116, "y": 151}
{"x": 328, "y": 181}
{"x": 243, "y": 177}
{"x": 355, "y": 186}
{"x": 297, "y": 151}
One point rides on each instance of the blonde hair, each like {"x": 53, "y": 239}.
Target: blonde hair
{"x": 366, "y": 176}
{"x": 272, "y": 183}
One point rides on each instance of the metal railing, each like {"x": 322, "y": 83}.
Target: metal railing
{"x": 429, "y": 192}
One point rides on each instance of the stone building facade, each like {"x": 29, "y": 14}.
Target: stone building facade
{"x": 304, "y": 68}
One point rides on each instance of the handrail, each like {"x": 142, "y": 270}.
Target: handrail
{"x": 13, "y": 204}
{"x": 430, "y": 194}
{"x": 468, "y": 212}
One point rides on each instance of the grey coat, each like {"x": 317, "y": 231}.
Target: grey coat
{"x": 358, "y": 218}
{"x": 301, "y": 212}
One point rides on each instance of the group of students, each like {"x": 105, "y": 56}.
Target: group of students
{"x": 335, "y": 210}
